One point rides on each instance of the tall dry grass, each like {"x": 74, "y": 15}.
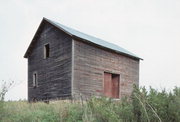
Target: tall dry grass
{"x": 142, "y": 106}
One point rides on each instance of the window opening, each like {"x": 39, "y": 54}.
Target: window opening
{"x": 46, "y": 51}
{"x": 35, "y": 83}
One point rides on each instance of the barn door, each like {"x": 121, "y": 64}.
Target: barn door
{"x": 107, "y": 84}
{"x": 111, "y": 85}
{"x": 115, "y": 86}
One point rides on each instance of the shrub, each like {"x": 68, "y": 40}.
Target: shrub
{"x": 142, "y": 106}
{"x": 3, "y": 90}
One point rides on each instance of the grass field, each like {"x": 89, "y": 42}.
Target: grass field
{"x": 142, "y": 106}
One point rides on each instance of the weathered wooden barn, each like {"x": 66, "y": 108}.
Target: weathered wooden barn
{"x": 64, "y": 63}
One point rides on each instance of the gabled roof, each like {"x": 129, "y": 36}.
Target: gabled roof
{"x": 88, "y": 38}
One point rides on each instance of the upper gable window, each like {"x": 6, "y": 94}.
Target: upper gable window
{"x": 46, "y": 51}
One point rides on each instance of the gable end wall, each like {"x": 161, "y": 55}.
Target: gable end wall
{"x": 54, "y": 73}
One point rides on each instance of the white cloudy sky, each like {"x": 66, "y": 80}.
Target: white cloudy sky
{"x": 148, "y": 28}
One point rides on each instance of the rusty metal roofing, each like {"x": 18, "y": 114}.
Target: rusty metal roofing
{"x": 92, "y": 39}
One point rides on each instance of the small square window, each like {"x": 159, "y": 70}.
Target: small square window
{"x": 46, "y": 51}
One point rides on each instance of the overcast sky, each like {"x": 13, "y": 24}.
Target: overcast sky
{"x": 148, "y": 28}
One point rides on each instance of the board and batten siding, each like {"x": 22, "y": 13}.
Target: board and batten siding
{"x": 90, "y": 63}
{"x": 54, "y": 72}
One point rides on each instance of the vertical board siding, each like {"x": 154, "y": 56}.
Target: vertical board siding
{"x": 91, "y": 62}
{"x": 54, "y": 72}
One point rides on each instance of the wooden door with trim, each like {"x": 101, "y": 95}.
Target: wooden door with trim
{"x": 111, "y": 85}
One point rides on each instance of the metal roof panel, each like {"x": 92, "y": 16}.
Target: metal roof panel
{"x": 92, "y": 39}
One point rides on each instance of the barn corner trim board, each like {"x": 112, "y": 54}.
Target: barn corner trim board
{"x": 77, "y": 63}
